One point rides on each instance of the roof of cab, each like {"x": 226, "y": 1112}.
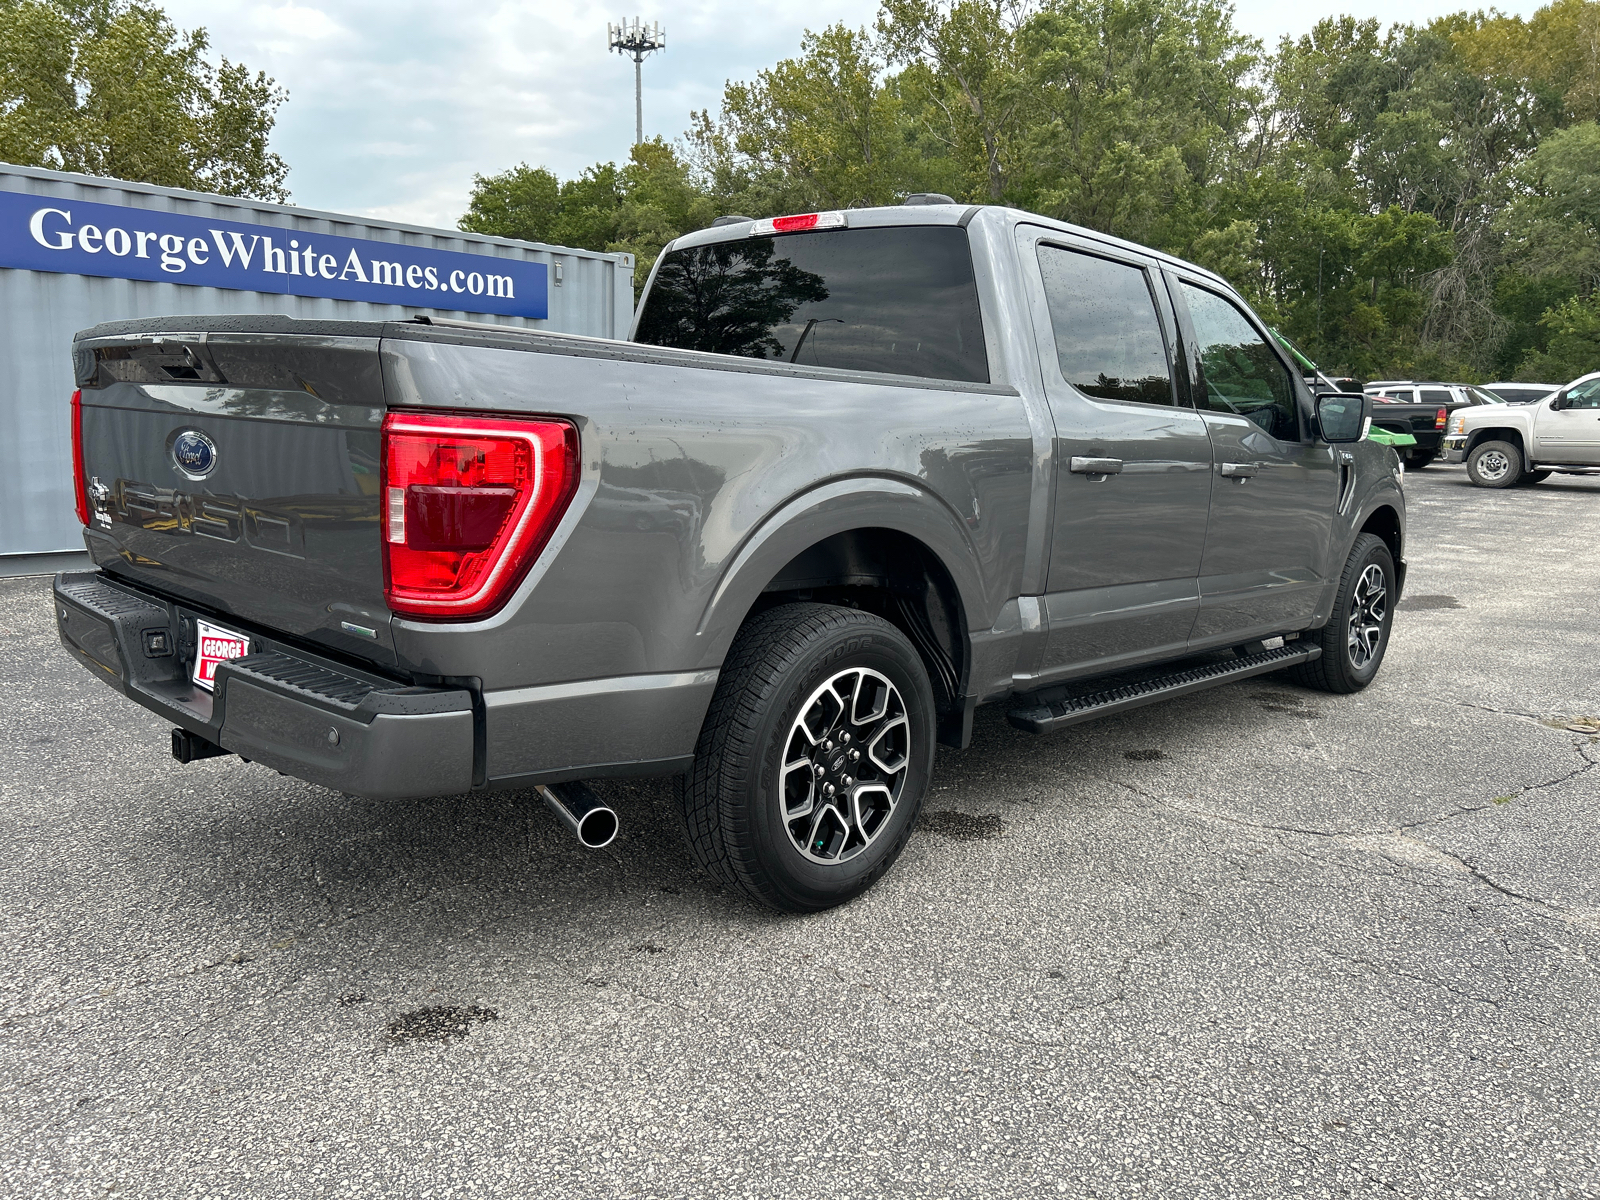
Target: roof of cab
{"x": 949, "y": 214}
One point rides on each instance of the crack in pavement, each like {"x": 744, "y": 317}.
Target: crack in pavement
{"x": 1373, "y": 840}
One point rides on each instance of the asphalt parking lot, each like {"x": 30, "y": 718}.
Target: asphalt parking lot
{"x": 1259, "y": 941}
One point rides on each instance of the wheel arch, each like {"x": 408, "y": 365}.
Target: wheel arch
{"x": 1498, "y": 433}
{"x": 883, "y": 545}
{"x": 1384, "y": 523}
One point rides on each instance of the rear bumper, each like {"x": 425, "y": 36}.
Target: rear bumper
{"x": 354, "y": 731}
{"x": 305, "y": 716}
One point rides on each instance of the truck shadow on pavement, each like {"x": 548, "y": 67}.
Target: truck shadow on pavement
{"x": 285, "y": 855}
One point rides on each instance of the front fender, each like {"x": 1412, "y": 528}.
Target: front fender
{"x": 1366, "y": 510}
{"x": 861, "y": 502}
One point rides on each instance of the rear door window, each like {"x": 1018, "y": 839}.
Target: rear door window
{"x": 1108, "y": 336}
{"x": 1437, "y": 396}
{"x": 901, "y": 300}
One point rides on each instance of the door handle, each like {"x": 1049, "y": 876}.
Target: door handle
{"x": 1238, "y": 470}
{"x": 1096, "y": 466}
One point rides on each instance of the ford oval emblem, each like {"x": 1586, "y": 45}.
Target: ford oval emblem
{"x": 194, "y": 453}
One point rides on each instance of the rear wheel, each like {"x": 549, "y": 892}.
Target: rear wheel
{"x": 813, "y": 759}
{"x": 1532, "y": 477}
{"x": 1418, "y": 459}
{"x": 1494, "y": 464}
{"x": 1354, "y": 640}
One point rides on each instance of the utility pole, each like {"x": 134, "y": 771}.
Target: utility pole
{"x": 636, "y": 41}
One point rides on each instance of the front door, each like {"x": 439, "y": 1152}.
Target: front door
{"x": 1570, "y": 434}
{"x": 1275, "y": 488}
{"x": 1132, "y": 460}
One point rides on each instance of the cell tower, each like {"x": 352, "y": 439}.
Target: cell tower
{"x": 636, "y": 41}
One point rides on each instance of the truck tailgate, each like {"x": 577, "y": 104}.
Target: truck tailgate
{"x": 240, "y": 473}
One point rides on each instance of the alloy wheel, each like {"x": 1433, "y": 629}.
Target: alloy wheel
{"x": 845, "y": 765}
{"x": 1369, "y": 606}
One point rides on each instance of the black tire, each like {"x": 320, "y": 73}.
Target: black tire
{"x": 1531, "y": 477}
{"x": 734, "y": 799}
{"x": 1418, "y": 459}
{"x": 1494, "y": 464}
{"x": 1338, "y": 669}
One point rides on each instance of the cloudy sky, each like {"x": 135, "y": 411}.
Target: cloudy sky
{"x": 395, "y": 104}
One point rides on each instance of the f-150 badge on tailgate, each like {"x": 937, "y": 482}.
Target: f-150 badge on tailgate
{"x": 195, "y": 453}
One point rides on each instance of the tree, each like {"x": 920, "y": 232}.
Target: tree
{"x": 965, "y": 73}
{"x": 1136, "y": 109}
{"x": 523, "y": 202}
{"x": 637, "y": 208}
{"x": 817, "y": 131}
{"x": 112, "y": 88}
{"x": 1574, "y": 343}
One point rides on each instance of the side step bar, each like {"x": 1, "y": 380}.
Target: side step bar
{"x": 1049, "y": 716}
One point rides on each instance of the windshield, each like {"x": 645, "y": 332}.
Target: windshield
{"x": 901, "y": 300}
{"x": 1484, "y": 396}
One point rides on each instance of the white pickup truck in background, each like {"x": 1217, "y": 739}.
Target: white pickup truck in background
{"x": 1507, "y": 445}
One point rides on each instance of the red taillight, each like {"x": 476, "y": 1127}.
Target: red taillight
{"x": 1439, "y": 419}
{"x": 80, "y": 481}
{"x": 468, "y": 503}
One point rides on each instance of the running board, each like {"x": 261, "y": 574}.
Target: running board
{"x": 1049, "y": 716}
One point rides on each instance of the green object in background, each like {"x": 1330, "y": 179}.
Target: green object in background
{"x": 1384, "y": 437}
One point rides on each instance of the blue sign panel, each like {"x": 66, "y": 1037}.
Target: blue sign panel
{"x": 76, "y": 237}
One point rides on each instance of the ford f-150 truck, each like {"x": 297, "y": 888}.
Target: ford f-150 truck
{"x": 854, "y": 474}
{"x": 1521, "y": 444}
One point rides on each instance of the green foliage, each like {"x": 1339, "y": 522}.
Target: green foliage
{"x": 1574, "y": 342}
{"x": 523, "y": 202}
{"x": 113, "y": 88}
{"x": 637, "y": 208}
{"x": 1423, "y": 199}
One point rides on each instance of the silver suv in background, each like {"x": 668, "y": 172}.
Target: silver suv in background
{"x": 1452, "y": 395}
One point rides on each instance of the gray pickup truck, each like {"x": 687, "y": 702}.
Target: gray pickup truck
{"x": 853, "y": 475}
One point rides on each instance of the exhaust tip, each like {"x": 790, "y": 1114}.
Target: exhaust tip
{"x": 580, "y": 810}
{"x": 598, "y": 828}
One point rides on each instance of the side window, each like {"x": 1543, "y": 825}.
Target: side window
{"x": 1239, "y": 372}
{"x": 1108, "y": 337}
{"x": 1437, "y": 396}
{"x": 1585, "y": 395}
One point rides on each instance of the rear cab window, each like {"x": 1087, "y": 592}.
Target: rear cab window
{"x": 899, "y": 300}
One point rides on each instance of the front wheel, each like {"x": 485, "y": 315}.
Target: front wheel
{"x": 813, "y": 759}
{"x": 1494, "y": 464}
{"x": 1354, "y": 640}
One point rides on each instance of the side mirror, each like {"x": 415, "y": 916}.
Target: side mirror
{"x": 1344, "y": 416}
{"x": 1558, "y": 402}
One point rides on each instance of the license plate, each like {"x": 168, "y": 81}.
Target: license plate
{"x": 216, "y": 646}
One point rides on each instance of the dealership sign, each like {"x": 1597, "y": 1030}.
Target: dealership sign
{"x": 46, "y": 233}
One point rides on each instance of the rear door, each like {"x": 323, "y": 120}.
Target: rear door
{"x": 1570, "y": 434}
{"x": 1274, "y": 490}
{"x": 1132, "y": 459}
